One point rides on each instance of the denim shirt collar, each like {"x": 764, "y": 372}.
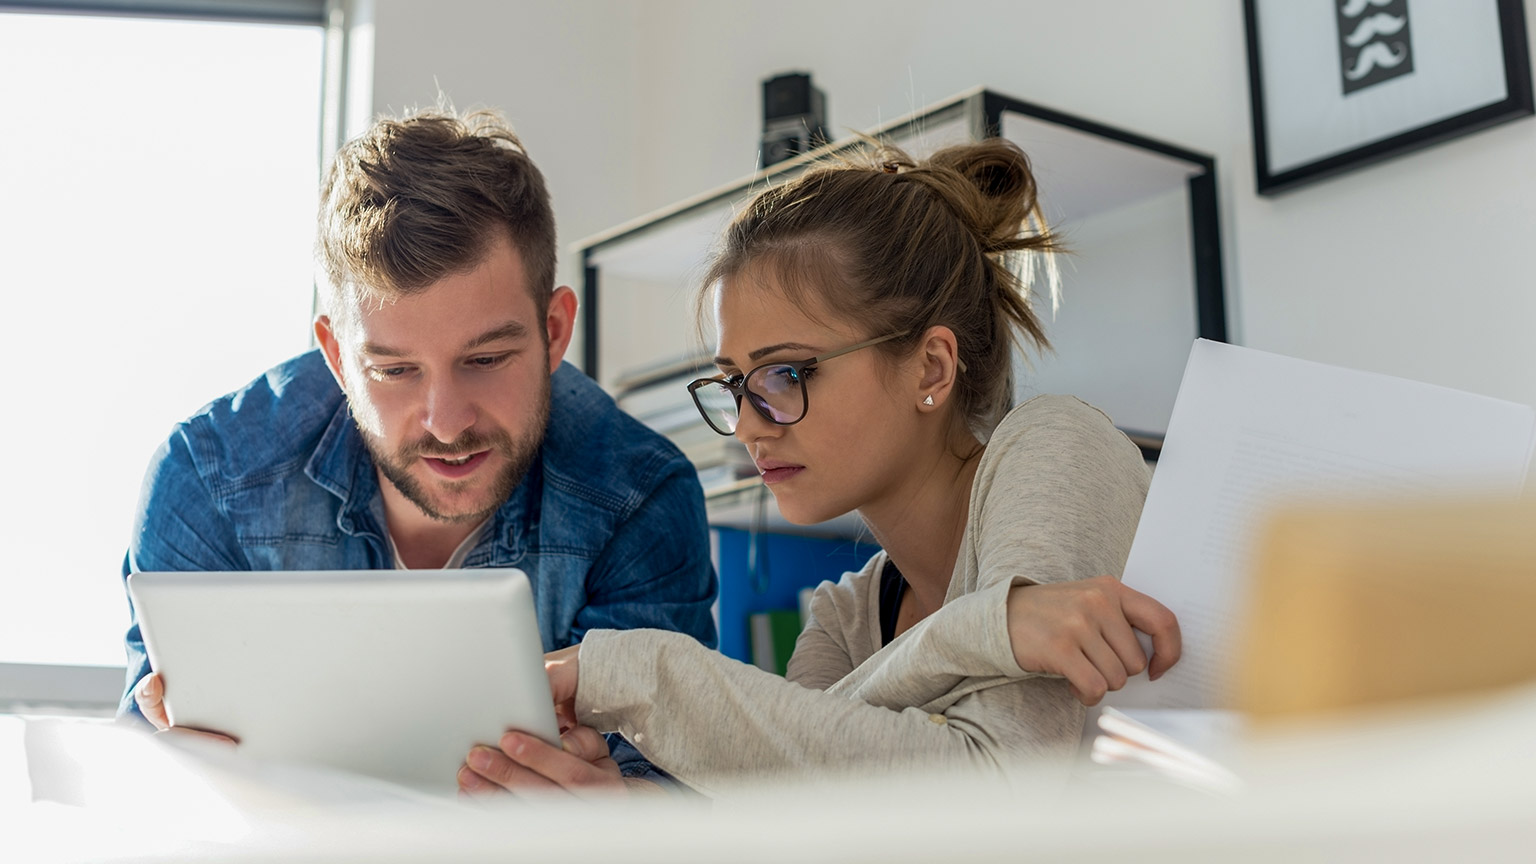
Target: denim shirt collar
{"x": 342, "y": 465}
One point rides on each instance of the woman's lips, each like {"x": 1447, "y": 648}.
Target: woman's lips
{"x": 779, "y": 475}
{"x": 451, "y": 471}
{"x": 777, "y": 472}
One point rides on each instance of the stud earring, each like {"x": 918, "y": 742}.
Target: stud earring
{"x": 928, "y": 400}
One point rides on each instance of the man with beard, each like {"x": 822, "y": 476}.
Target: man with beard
{"x": 435, "y": 426}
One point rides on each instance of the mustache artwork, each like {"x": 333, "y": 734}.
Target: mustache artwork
{"x": 1375, "y": 42}
{"x": 1375, "y": 56}
{"x": 1353, "y": 8}
{"x": 1380, "y": 24}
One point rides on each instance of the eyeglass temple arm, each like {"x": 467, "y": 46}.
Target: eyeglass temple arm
{"x": 851, "y": 348}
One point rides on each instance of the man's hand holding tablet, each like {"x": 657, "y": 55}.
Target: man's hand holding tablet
{"x": 150, "y": 696}
{"x": 524, "y": 765}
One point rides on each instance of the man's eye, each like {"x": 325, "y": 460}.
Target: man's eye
{"x": 488, "y": 362}
{"x": 385, "y": 373}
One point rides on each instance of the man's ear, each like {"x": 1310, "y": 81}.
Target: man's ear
{"x": 559, "y": 324}
{"x": 325, "y": 334}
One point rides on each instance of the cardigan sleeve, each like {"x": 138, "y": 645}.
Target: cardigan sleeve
{"x": 718, "y": 725}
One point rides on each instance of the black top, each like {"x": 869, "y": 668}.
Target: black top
{"x": 892, "y": 588}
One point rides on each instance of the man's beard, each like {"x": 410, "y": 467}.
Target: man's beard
{"x": 519, "y": 455}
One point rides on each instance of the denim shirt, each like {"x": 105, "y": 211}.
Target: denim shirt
{"x": 609, "y": 523}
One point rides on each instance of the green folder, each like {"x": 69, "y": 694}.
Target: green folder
{"x": 773, "y": 638}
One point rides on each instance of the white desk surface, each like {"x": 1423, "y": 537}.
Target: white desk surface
{"x": 1457, "y": 783}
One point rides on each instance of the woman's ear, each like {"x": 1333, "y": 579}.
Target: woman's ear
{"x": 939, "y": 356}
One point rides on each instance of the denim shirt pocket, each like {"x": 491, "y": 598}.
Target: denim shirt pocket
{"x": 286, "y": 522}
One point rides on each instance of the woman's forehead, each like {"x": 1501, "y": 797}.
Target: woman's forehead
{"x": 750, "y": 313}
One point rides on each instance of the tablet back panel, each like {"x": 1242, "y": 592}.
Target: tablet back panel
{"x": 395, "y": 674}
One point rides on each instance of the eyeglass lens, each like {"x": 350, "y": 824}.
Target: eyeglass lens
{"x": 775, "y": 391}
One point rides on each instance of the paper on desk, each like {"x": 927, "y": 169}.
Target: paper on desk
{"x": 1124, "y": 739}
{"x": 1251, "y": 429}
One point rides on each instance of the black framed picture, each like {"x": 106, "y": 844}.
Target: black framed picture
{"x": 1336, "y": 84}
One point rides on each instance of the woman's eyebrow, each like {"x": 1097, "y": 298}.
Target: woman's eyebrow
{"x": 764, "y": 352}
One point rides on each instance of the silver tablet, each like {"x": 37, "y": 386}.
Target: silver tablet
{"x": 394, "y": 674}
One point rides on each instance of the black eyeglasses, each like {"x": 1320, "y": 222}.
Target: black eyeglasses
{"x": 776, "y": 390}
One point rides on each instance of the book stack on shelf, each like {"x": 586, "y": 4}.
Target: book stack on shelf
{"x": 658, "y": 397}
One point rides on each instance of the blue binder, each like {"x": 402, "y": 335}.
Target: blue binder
{"x": 761, "y": 571}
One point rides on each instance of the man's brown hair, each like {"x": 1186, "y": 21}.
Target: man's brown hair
{"x": 419, "y": 198}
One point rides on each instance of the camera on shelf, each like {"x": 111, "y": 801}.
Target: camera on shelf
{"x": 794, "y": 117}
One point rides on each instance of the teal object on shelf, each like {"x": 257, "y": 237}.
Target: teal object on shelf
{"x": 762, "y": 571}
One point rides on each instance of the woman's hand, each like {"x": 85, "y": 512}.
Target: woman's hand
{"x": 1083, "y": 631}
{"x": 563, "y": 668}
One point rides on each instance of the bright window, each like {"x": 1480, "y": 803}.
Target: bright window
{"x": 157, "y": 196}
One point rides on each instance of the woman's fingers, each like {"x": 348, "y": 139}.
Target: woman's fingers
{"x": 1107, "y": 662}
{"x": 1085, "y": 631}
{"x": 1158, "y": 622}
{"x": 1120, "y": 639}
{"x": 563, "y": 669}
{"x": 585, "y": 743}
{"x": 1084, "y": 679}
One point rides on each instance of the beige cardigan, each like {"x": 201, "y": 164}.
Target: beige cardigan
{"x": 1056, "y": 497}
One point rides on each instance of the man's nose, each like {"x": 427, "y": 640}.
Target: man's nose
{"x": 448, "y": 411}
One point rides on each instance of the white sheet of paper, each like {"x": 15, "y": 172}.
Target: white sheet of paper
{"x": 1251, "y": 429}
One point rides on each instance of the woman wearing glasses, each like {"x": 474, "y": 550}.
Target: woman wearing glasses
{"x": 866, "y": 318}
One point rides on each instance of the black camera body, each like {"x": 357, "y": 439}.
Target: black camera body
{"x": 794, "y": 117}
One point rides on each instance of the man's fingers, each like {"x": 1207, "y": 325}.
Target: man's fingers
{"x": 187, "y": 733}
{"x": 564, "y": 768}
{"x": 471, "y": 783}
{"x": 1158, "y": 622}
{"x": 493, "y": 765}
{"x": 149, "y": 696}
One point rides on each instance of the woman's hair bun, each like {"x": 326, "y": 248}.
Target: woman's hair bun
{"x": 995, "y": 166}
{"x": 998, "y": 198}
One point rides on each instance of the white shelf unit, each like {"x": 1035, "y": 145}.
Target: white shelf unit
{"x": 1143, "y": 279}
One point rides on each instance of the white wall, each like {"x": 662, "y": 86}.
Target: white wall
{"x": 1420, "y": 267}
